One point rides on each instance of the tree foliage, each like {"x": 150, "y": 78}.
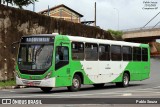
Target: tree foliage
{"x": 6, "y": 1}
{"x": 116, "y": 34}
{"x": 19, "y": 3}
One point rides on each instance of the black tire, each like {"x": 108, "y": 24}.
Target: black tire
{"x": 76, "y": 84}
{"x": 98, "y": 85}
{"x": 125, "y": 81}
{"x": 46, "y": 89}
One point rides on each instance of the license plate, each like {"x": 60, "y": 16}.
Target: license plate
{"x": 30, "y": 84}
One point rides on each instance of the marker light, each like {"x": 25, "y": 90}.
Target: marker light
{"x": 48, "y": 75}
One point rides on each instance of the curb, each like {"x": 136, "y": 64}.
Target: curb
{"x": 12, "y": 87}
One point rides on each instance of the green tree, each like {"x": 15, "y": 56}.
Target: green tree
{"x": 116, "y": 34}
{"x": 6, "y": 1}
{"x": 21, "y": 3}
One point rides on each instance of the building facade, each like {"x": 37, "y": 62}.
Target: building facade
{"x": 64, "y": 13}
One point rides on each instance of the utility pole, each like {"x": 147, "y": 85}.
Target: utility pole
{"x": 34, "y": 7}
{"x": 95, "y": 15}
{"x": 48, "y": 11}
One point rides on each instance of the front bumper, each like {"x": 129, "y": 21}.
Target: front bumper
{"x": 37, "y": 83}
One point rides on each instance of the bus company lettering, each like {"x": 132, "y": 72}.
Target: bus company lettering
{"x": 37, "y": 39}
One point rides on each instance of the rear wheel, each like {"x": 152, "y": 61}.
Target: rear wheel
{"x": 46, "y": 89}
{"x": 98, "y": 85}
{"x": 125, "y": 81}
{"x": 76, "y": 84}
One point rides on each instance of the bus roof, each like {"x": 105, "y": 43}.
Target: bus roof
{"x": 104, "y": 41}
{"x": 39, "y": 35}
{"x": 92, "y": 40}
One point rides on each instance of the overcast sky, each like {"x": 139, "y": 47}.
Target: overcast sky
{"x": 131, "y": 12}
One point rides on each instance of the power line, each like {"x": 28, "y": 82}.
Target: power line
{"x": 155, "y": 25}
{"x": 151, "y": 20}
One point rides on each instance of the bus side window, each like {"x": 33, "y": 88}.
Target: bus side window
{"x": 116, "y": 53}
{"x": 77, "y": 51}
{"x": 136, "y": 54}
{"x": 127, "y": 53}
{"x": 91, "y": 51}
{"x": 61, "y": 57}
{"x": 144, "y": 54}
{"x": 104, "y": 52}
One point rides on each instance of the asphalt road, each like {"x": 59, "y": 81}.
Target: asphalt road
{"x": 149, "y": 88}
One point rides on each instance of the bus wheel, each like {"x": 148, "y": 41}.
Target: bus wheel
{"x": 46, "y": 89}
{"x": 125, "y": 81}
{"x": 98, "y": 85}
{"x": 76, "y": 84}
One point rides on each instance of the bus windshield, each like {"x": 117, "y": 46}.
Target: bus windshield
{"x": 35, "y": 57}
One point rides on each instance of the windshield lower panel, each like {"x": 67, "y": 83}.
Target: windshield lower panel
{"x": 35, "y": 57}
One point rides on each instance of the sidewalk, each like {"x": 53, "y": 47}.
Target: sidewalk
{"x": 12, "y": 87}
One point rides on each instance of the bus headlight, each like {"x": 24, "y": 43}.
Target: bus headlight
{"x": 48, "y": 75}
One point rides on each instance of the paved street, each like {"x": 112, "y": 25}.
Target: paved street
{"x": 146, "y": 88}
{"x": 139, "y": 89}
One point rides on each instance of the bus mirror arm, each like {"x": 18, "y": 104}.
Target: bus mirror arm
{"x": 14, "y": 43}
{"x": 63, "y": 43}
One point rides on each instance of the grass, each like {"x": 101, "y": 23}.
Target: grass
{"x": 7, "y": 83}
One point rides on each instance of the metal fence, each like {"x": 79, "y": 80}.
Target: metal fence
{"x": 141, "y": 29}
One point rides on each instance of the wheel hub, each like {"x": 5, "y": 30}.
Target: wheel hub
{"x": 75, "y": 83}
{"x": 126, "y": 80}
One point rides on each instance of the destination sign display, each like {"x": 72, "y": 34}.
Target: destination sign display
{"x": 37, "y": 39}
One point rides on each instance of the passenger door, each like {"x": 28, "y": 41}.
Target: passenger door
{"x": 104, "y": 63}
{"x": 116, "y": 61}
{"x": 62, "y": 65}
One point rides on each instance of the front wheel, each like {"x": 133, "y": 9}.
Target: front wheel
{"x": 125, "y": 81}
{"x": 76, "y": 84}
{"x": 46, "y": 89}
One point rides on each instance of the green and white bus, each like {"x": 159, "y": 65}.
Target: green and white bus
{"x": 53, "y": 60}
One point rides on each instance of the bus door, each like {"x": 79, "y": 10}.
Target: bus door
{"x": 62, "y": 65}
{"x": 104, "y": 62}
{"x": 116, "y": 60}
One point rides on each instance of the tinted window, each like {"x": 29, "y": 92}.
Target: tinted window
{"x": 136, "y": 54}
{"x": 116, "y": 53}
{"x": 104, "y": 52}
{"x": 77, "y": 51}
{"x": 62, "y": 57}
{"x": 35, "y": 57}
{"x": 127, "y": 53}
{"x": 144, "y": 54}
{"x": 91, "y": 51}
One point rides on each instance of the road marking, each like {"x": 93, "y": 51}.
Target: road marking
{"x": 149, "y": 88}
{"x": 12, "y": 91}
{"x": 68, "y": 95}
{"x": 127, "y": 94}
